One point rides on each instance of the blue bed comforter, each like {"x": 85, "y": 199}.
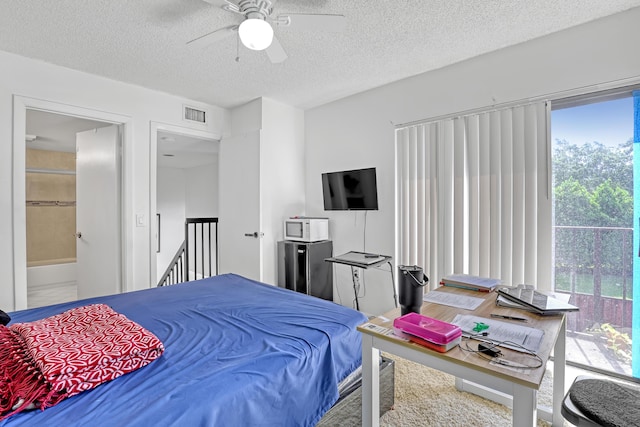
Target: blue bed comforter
{"x": 237, "y": 353}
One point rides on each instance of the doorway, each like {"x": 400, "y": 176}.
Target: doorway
{"x": 51, "y": 204}
{"x": 27, "y": 112}
{"x": 594, "y": 228}
{"x": 184, "y": 179}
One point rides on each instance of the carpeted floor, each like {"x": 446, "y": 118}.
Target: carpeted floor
{"x": 427, "y": 397}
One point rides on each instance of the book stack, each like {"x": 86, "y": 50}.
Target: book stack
{"x": 467, "y": 281}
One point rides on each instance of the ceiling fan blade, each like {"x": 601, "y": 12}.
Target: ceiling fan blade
{"x": 229, "y": 5}
{"x": 313, "y": 22}
{"x": 275, "y": 52}
{"x": 213, "y": 37}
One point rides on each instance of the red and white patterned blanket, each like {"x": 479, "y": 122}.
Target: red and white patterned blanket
{"x": 46, "y": 361}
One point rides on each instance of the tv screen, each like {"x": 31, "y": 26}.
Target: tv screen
{"x": 350, "y": 190}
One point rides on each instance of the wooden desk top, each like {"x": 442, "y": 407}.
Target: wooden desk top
{"x": 551, "y": 326}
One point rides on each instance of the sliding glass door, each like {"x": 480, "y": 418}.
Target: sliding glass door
{"x": 595, "y": 234}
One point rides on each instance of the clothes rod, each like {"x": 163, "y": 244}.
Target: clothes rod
{"x": 50, "y": 203}
{"x": 51, "y": 171}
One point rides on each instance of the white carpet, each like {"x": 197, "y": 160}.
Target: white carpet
{"x": 427, "y": 397}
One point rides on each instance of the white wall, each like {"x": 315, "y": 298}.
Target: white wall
{"x": 282, "y": 175}
{"x": 201, "y": 191}
{"x": 34, "y": 79}
{"x": 359, "y": 131}
{"x": 273, "y": 153}
{"x": 239, "y": 193}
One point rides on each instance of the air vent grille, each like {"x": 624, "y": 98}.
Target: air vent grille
{"x": 195, "y": 115}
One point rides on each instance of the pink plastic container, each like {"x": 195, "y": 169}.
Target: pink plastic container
{"x": 428, "y": 328}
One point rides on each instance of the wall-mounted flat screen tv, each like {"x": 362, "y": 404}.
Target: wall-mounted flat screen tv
{"x": 350, "y": 190}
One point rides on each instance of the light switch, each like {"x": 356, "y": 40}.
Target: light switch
{"x": 140, "y": 220}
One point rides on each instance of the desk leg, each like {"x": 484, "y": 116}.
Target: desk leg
{"x": 559, "y": 364}
{"x": 370, "y": 383}
{"x": 525, "y": 406}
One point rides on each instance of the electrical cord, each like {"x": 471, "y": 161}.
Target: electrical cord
{"x": 359, "y": 276}
{"x": 489, "y": 350}
{"x": 361, "y": 284}
{"x": 364, "y": 233}
{"x": 359, "y": 297}
{"x": 364, "y": 284}
{"x": 364, "y": 249}
{"x": 335, "y": 280}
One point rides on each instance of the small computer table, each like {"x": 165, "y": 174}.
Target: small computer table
{"x": 469, "y": 369}
{"x": 365, "y": 261}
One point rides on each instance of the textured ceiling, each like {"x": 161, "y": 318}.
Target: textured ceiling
{"x": 144, "y": 42}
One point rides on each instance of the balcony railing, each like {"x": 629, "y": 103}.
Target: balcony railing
{"x": 595, "y": 265}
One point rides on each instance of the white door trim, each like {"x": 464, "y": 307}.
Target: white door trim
{"x": 20, "y": 106}
{"x": 153, "y": 180}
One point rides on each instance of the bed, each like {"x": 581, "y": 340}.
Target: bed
{"x": 237, "y": 352}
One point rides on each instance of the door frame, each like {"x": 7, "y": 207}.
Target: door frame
{"x": 20, "y": 106}
{"x": 154, "y": 128}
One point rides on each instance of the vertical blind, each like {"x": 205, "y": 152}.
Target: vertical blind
{"x": 474, "y": 196}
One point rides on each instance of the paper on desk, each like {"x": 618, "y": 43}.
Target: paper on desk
{"x": 453, "y": 300}
{"x": 502, "y": 333}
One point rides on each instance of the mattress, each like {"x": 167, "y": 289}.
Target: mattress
{"x": 237, "y": 352}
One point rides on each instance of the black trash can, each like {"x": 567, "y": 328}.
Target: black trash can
{"x": 411, "y": 284}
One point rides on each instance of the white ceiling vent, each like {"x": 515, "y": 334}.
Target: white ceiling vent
{"x": 191, "y": 114}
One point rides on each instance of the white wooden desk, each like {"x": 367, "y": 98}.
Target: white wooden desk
{"x": 522, "y": 385}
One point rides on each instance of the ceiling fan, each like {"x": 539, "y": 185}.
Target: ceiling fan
{"x": 256, "y": 29}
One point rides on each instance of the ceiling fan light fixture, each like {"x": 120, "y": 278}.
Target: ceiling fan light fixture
{"x": 255, "y": 33}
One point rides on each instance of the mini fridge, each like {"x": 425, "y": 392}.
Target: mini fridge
{"x": 301, "y": 267}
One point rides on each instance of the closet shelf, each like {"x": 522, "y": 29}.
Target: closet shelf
{"x": 50, "y": 171}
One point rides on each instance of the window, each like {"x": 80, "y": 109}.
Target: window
{"x": 489, "y": 194}
{"x": 593, "y": 205}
